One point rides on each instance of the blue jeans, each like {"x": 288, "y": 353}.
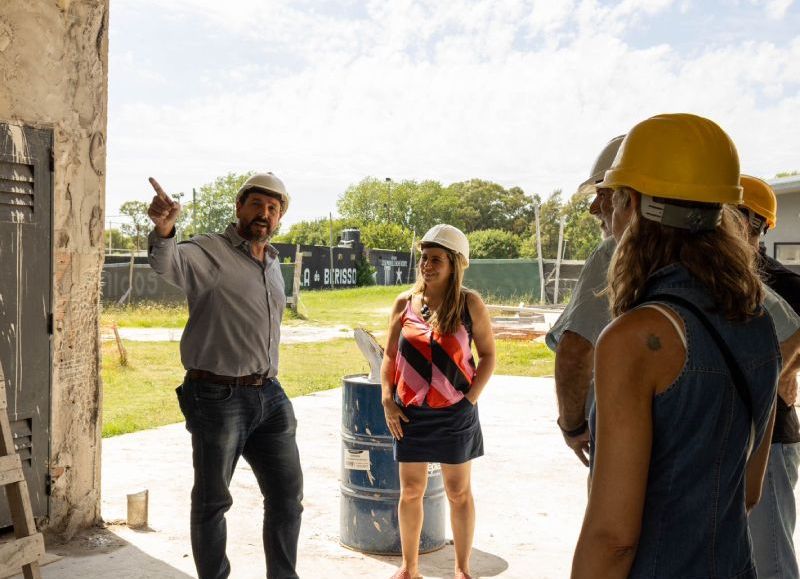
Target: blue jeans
{"x": 256, "y": 422}
{"x": 772, "y": 520}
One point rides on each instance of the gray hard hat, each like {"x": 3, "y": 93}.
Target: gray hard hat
{"x": 601, "y": 165}
{"x": 266, "y": 183}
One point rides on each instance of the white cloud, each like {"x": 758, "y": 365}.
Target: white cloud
{"x": 414, "y": 90}
{"x": 774, "y": 9}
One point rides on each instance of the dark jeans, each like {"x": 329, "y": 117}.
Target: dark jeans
{"x": 256, "y": 422}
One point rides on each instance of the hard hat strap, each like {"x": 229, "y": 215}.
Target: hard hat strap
{"x": 694, "y": 219}
{"x": 758, "y": 224}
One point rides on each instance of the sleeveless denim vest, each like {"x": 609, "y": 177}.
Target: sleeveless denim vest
{"x": 695, "y": 522}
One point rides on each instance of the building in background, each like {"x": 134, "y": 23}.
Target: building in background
{"x": 783, "y": 242}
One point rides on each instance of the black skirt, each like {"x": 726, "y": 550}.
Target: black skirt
{"x": 450, "y": 435}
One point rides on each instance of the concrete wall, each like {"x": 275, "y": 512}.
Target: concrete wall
{"x": 53, "y": 73}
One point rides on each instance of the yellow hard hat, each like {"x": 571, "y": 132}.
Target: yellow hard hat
{"x": 759, "y": 197}
{"x": 678, "y": 156}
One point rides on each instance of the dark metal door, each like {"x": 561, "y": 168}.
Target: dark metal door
{"x": 26, "y": 191}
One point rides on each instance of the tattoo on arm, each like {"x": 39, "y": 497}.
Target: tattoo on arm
{"x": 653, "y": 342}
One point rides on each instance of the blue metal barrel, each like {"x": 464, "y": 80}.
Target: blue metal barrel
{"x": 370, "y": 487}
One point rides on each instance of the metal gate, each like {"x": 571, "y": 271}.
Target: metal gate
{"x": 26, "y": 191}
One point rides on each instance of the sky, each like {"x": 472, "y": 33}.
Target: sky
{"x": 521, "y": 92}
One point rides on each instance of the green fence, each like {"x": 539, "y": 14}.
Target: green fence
{"x": 287, "y": 269}
{"x": 504, "y": 278}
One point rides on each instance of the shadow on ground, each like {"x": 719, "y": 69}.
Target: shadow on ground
{"x": 98, "y": 552}
{"x": 439, "y": 564}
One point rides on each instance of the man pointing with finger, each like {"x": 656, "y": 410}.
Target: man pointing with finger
{"x": 231, "y": 398}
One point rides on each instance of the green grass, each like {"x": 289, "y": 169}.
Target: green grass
{"x": 523, "y": 358}
{"x": 367, "y": 307}
{"x": 146, "y": 315}
{"x": 141, "y": 395}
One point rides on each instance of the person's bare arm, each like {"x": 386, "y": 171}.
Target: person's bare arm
{"x": 483, "y": 337}
{"x": 787, "y": 383}
{"x": 638, "y": 355}
{"x": 757, "y": 466}
{"x": 573, "y": 376}
{"x": 394, "y": 416}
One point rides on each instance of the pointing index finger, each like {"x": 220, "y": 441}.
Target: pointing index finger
{"x": 159, "y": 191}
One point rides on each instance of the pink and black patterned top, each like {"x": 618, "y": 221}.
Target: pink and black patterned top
{"x": 433, "y": 369}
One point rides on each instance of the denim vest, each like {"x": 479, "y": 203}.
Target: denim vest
{"x": 694, "y": 522}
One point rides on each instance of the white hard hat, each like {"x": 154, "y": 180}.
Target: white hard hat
{"x": 266, "y": 183}
{"x": 450, "y": 237}
{"x": 601, "y": 165}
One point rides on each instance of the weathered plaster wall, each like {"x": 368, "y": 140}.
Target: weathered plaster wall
{"x": 53, "y": 73}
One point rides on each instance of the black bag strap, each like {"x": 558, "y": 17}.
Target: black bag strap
{"x": 736, "y": 372}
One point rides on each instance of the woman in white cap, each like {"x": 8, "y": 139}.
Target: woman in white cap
{"x": 431, "y": 386}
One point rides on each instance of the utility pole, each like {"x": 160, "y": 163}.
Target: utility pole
{"x": 388, "y": 199}
{"x": 558, "y": 256}
{"x": 542, "y": 296}
{"x": 194, "y": 211}
{"x": 330, "y": 247}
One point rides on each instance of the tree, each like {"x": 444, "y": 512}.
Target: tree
{"x": 386, "y": 236}
{"x": 549, "y": 217}
{"x": 316, "y": 232}
{"x": 417, "y": 206}
{"x": 493, "y": 244}
{"x": 115, "y": 239}
{"x": 215, "y": 206}
{"x": 480, "y": 205}
{"x": 413, "y": 205}
{"x": 581, "y": 230}
{"x": 364, "y": 272}
{"x": 786, "y": 174}
{"x": 140, "y": 224}
{"x": 373, "y": 200}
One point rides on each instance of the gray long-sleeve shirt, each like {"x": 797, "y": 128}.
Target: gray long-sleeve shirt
{"x": 236, "y": 303}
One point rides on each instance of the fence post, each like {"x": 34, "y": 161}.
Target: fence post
{"x": 558, "y": 257}
{"x": 542, "y": 296}
{"x": 330, "y": 247}
{"x": 126, "y": 297}
{"x": 298, "y": 276}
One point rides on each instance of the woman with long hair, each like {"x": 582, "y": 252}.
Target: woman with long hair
{"x": 431, "y": 386}
{"x": 686, "y": 373}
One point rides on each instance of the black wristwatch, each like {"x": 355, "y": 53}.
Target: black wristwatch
{"x": 575, "y": 431}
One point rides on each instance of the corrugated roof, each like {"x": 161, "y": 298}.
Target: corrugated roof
{"x": 784, "y": 185}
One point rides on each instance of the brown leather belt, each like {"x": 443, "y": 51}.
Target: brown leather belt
{"x": 249, "y": 380}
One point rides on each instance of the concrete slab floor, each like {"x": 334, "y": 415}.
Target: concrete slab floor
{"x": 529, "y": 491}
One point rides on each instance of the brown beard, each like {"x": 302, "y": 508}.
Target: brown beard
{"x": 249, "y": 235}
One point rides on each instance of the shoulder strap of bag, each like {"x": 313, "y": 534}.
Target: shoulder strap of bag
{"x": 736, "y": 372}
